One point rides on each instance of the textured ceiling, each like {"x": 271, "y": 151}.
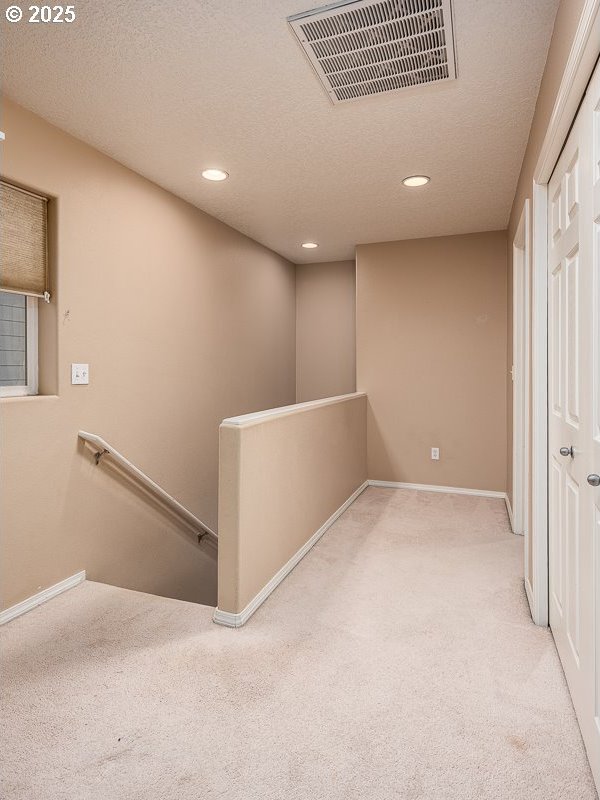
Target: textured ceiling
{"x": 169, "y": 88}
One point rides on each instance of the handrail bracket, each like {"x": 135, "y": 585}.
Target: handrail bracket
{"x": 99, "y": 454}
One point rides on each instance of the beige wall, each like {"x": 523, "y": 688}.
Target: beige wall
{"x": 281, "y": 477}
{"x": 325, "y": 330}
{"x": 183, "y": 322}
{"x": 565, "y": 26}
{"x": 431, "y": 355}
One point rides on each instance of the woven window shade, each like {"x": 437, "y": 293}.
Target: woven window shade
{"x": 23, "y": 241}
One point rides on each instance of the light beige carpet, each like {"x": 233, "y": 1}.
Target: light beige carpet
{"x": 397, "y": 661}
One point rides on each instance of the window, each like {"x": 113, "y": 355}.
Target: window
{"x": 23, "y": 279}
{"x": 18, "y": 345}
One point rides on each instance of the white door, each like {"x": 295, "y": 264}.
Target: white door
{"x": 593, "y": 724}
{"x": 574, "y": 450}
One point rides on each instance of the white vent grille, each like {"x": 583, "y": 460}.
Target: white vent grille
{"x": 365, "y": 47}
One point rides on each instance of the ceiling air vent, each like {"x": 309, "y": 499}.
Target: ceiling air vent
{"x": 364, "y": 47}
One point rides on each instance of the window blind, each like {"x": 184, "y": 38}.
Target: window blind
{"x": 23, "y": 241}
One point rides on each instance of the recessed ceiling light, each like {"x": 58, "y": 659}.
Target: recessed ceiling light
{"x": 215, "y": 174}
{"x": 309, "y": 245}
{"x": 416, "y": 180}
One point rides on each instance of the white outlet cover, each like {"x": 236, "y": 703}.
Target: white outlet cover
{"x": 80, "y": 374}
{"x": 435, "y": 453}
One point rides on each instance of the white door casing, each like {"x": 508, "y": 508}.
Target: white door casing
{"x": 520, "y": 375}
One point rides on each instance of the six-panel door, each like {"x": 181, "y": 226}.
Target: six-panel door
{"x": 574, "y": 414}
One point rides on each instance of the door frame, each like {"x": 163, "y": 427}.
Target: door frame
{"x": 578, "y": 69}
{"x": 521, "y": 267}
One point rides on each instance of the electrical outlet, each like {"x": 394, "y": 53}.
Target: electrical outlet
{"x": 435, "y": 453}
{"x": 80, "y": 374}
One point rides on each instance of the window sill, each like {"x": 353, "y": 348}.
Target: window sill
{"x": 27, "y": 398}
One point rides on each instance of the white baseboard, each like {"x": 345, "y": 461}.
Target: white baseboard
{"x": 509, "y": 511}
{"x": 529, "y": 593}
{"x": 231, "y": 620}
{"x": 423, "y": 487}
{"x": 41, "y": 597}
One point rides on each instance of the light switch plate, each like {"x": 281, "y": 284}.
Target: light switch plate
{"x": 80, "y": 374}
